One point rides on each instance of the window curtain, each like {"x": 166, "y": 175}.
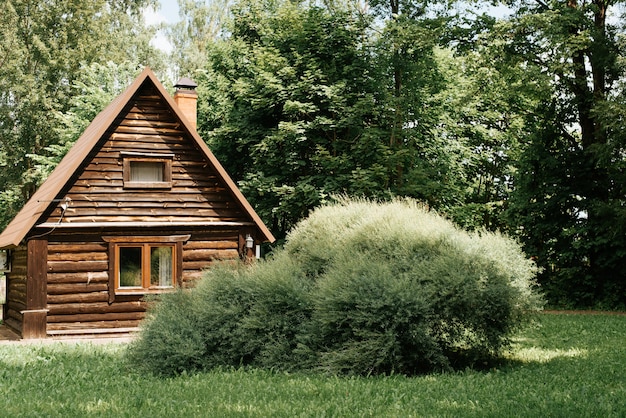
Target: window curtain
{"x": 142, "y": 171}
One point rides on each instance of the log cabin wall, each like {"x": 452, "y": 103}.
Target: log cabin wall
{"x": 78, "y": 277}
{"x": 35, "y": 314}
{"x": 16, "y": 290}
{"x": 207, "y": 247}
{"x": 78, "y": 287}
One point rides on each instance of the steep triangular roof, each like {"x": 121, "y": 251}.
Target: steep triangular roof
{"x": 27, "y": 218}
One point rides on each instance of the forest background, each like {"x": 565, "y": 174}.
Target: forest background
{"x": 509, "y": 122}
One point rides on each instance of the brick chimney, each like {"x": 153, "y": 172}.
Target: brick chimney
{"x": 186, "y": 98}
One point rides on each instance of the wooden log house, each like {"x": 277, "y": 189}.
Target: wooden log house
{"x": 138, "y": 206}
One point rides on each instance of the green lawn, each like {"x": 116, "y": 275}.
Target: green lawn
{"x": 566, "y": 366}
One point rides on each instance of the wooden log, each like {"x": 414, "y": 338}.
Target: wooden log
{"x": 20, "y": 254}
{"x": 14, "y": 324}
{"x": 79, "y": 297}
{"x": 17, "y": 295}
{"x": 17, "y": 274}
{"x": 96, "y": 221}
{"x": 80, "y": 200}
{"x": 178, "y": 181}
{"x": 157, "y": 210}
{"x": 83, "y": 247}
{"x": 192, "y": 275}
{"x": 77, "y": 266}
{"x": 82, "y": 277}
{"x": 94, "y": 182}
{"x": 65, "y": 289}
{"x": 17, "y": 270}
{"x": 213, "y": 245}
{"x": 16, "y": 282}
{"x": 145, "y": 130}
{"x": 142, "y": 143}
{"x": 105, "y": 166}
{"x": 116, "y": 205}
{"x": 96, "y": 308}
{"x": 78, "y": 237}
{"x": 68, "y": 256}
{"x": 198, "y": 265}
{"x": 79, "y": 320}
{"x": 209, "y": 255}
{"x": 15, "y": 313}
{"x": 214, "y": 188}
{"x": 156, "y": 115}
{"x": 143, "y": 122}
{"x": 148, "y": 109}
{"x": 230, "y": 234}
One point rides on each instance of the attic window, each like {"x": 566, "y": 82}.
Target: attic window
{"x": 147, "y": 171}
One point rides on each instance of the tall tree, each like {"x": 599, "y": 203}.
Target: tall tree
{"x": 304, "y": 104}
{"x": 567, "y": 200}
{"x": 292, "y": 112}
{"x": 201, "y": 23}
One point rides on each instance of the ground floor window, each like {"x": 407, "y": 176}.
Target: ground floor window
{"x": 144, "y": 264}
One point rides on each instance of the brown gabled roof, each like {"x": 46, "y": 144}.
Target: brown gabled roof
{"x": 25, "y": 220}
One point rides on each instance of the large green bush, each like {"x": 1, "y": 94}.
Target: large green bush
{"x": 360, "y": 287}
{"x": 236, "y": 315}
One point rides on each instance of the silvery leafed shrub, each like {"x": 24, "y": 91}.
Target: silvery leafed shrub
{"x": 360, "y": 288}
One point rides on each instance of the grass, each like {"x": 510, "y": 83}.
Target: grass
{"x": 564, "y": 366}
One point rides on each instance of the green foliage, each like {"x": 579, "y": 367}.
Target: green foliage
{"x": 301, "y": 104}
{"x": 567, "y": 197}
{"x": 200, "y": 23}
{"x": 94, "y": 88}
{"x": 481, "y": 132}
{"x": 400, "y": 289}
{"x": 511, "y": 128}
{"x": 244, "y": 315}
{"x": 360, "y": 288}
{"x": 174, "y": 343}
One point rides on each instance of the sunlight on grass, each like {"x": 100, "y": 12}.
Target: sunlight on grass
{"x": 451, "y": 405}
{"x": 543, "y": 355}
{"x": 39, "y": 355}
{"x": 98, "y": 406}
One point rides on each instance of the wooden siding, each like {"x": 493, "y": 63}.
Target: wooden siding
{"x": 78, "y": 277}
{"x": 16, "y": 290}
{"x": 34, "y": 316}
{"x": 143, "y": 117}
{"x": 78, "y": 284}
{"x": 78, "y": 288}
{"x": 205, "y": 248}
{"x": 148, "y": 126}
